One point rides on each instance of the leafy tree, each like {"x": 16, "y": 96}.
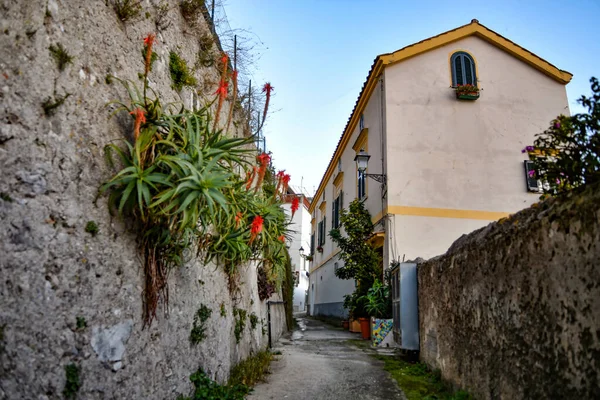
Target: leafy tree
{"x": 567, "y": 155}
{"x": 361, "y": 262}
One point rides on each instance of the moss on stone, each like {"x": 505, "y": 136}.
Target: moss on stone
{"x": 180, "y": 73}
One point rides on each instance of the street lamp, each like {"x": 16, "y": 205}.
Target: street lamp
{"x": 302, "y": 252}
{"x": 362, "y": 161}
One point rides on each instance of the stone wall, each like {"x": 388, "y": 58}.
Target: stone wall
{"x": 67, "y": 297}
{"x": 512, "y": 311}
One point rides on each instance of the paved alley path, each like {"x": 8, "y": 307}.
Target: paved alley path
{"x": 318, "y": 362}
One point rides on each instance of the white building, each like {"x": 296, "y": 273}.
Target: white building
{"x": 300, "y": 228}
{"x": 451, "y": 165}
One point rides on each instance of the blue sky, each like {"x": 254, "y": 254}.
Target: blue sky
{"x": 317, "y": 53}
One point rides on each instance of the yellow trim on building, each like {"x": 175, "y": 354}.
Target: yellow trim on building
{"x": 442, "y": 213}
{"x": 338, "y": 178}
{"x": 363, "y": 136}
{"x": 322, "y": 207}
{"x": 354, "y": 118}
{"x": 476, "y": 29}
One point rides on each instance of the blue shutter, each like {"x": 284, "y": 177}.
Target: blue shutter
{"x": 458, "y": 71}
{"x": 468, "y": 70}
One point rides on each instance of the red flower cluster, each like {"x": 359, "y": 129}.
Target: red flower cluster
{"x": 222, "y": 90}
{"x": 281, "y": 238}
{"x": 256, "y": 228}
{"x": 295, "y": 205}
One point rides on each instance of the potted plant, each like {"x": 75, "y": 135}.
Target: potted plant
{"x": 309, "y": 257}
{"x": 467, "y": 92}
{"x": 320, "y": 249}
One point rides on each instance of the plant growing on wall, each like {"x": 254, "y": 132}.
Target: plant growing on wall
{"x": 177, "y": 184}
{"x": 567, "y": 154}
{"x": 361, "y": 262}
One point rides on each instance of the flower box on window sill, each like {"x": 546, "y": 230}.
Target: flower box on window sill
{"x": 467, "y": 92}
{"x": 309, "y": 258}
{"x": 467, "y": 96}
{"x": 320, "y": 249}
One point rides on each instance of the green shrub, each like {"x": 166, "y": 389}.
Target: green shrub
{"x": 567, "y": 154}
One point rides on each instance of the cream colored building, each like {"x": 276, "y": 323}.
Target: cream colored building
{"x": 451, "y": 165}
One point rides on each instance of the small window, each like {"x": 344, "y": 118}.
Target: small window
{"x": 336, "y": 208}
{"x": 532, "y": 182}
{"x": 323, "y": 194}
{"x": 340, "y": 165}
{"x": 361, "y": 122}
{"x": 463, "y": 69}
{"x": 361, "y": 190}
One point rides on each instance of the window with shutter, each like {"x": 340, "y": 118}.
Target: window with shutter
{"x": 463, "y": 69}
{"x": 312, "y": 244}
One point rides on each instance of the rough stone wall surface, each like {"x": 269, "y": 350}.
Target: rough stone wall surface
{"x": 512, "y": 311}
{"x": 51, "y": 270}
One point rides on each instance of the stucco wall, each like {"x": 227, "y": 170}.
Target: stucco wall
{"x": 326, "y": 291}
{"x": 52, "y": 270}
{"x": 512, "y": 310}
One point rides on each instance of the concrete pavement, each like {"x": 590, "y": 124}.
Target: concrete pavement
{"x": 318, "y": 362}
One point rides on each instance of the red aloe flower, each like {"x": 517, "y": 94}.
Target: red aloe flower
{"x": 266, "y": 89}
{"x": 279, "y": 176}
{"x": 256, "y": 227}
{"x": 238, "y": 219}
{"x": 140, "y": 119}
{"x": 148, "y": 42}
{"x": 295, "y": 205}
{"x": 286, "y": 181}
{"x": 222, "y": 90}
{"x": 281, "y": 239}
{"x": 263, "y": 159}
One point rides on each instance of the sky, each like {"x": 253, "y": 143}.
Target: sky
{"x": 317, "y": 54}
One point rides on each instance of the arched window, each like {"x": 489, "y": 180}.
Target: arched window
{"x": 463, "y": 69}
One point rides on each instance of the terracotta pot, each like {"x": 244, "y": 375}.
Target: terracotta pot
{"x": 346, "y": 325}
{"x": 365, "y": 328}
{"x": 354, "y": 326}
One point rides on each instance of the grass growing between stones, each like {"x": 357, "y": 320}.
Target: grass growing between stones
{"x": 242, "y": 378}
{"x": 72, "y": 384}
{"x": 418, "y": 382}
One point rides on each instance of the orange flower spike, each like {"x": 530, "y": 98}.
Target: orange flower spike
{"x": 267, "y": 89}
{"x": 222, "y": 90}
{"x": 286, "y": 181}
{"x": 256, "y": 227}
{"x": 263, "y": 159}
{"x": 281, "y": 239}
{"x": 279, "y": 176}
{"x": 148, "y": 42}
{"x": 295, "y": 205}
{"x": 140, "y": 119}
{"x": 238, "y": 219}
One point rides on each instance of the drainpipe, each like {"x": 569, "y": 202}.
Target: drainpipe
{"x": 269, "y": 302}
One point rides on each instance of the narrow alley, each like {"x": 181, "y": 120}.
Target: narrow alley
{"x": 321, "y": 362}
